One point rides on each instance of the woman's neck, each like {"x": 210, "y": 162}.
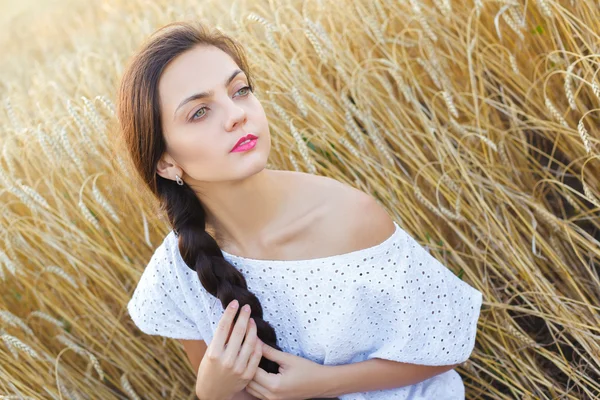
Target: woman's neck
{"x": 244, "y": 214}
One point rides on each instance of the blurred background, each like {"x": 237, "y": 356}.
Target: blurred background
{"x": 475, "y": 123}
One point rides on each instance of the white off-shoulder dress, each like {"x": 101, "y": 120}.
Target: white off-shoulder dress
{"x": 392, "y": 301}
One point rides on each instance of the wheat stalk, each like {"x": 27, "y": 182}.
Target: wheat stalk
{"x": 545, "y": 8}
{"x": 2, "y": 275}
{"x": 66, "y": 145}
{"x": 353, "y": 130}
{"x": 269, "y": 28}
{"x": 450, "y": 103}
{"x": 322, "y": 102}
{"x": 596, "y": 89}
{"x": 299, "y": 102}
{"x": 8, "y": 159}
{"x": 83, "y": 130}
{"x": 517, "y": 16}
{"x": 513, "y": 63}
{"x": 375, "y": 28}
{"x": 14, "y": 343}
{"x": 88, "y": 215}
{"x": 547, "y": 216}
{"x": 378, "y": 141}
{"x": 585, "y": 136}
{"x": 478, "y": 6}
{"x": 294, "y": 162}
{"x": 108, "y": 105}
{"x": 8, "y": 263}
{"x": 513, "y": 25}
{"x": 554, "y": 111}
{"x": 93, "y": 116}
{"x": 589, "y": 194}
{"x": 33, "y": 194}
{"x": 146, "y": 230}
{"x": 416, "y": 7}
{"x": 525, "y": 339}
{"x": 48, "y": 148}
{"x": 12, "y": 117}
{"x": 316, "y": 45}
{"x": 280, "y": 111}
{"x": 303, "y": 149}
{"x": 47, "y": 317}
{"x": 100, "y": 199}
{"x": 321, "y": 33}
{"x": 122, "y": 165}
{"x": 430, "y": 71}
{"x": 404, "y": 88}
{"x": 342, "y": 140}
{"x": 128, "y": 388}
{"x": 569, "y": 87}
{"x": 60, "y": 272}
{"x": 83, "y": 352}
{"x": 425, "y": 202}
{"x": 13, "y": 320}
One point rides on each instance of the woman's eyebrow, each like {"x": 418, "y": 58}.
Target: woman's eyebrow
{"x": 203, "y": 95}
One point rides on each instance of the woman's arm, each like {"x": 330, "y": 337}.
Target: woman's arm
{"x": 374, "y": 374}
{"x": 243, "y": 395}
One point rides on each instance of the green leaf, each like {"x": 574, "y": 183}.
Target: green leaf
{"x": 461, "y": 273}
{"x": 538, "y": 30}
{"x": 376, "y": 194}
{"x": 66, "y": 324}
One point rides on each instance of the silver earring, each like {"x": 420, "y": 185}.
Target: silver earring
{"x": 179, "y": 180}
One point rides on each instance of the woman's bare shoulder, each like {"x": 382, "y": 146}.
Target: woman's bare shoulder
{"x": 349, "y": 219}
{"x": 318, "y": 187}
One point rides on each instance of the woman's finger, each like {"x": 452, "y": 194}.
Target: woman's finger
{"x": 224, "y": 325}
{"x": 239, "y": 331}
{"x": 261, "y": 392}
{"x": 254, "y": 360}
{"x": 248, "y": 346}
{"x": 255, "y": 393}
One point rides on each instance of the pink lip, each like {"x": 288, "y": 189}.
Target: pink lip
{"x": 247, "y": 146}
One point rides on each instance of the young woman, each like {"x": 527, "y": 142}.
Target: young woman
{"x": 279, "y": 285}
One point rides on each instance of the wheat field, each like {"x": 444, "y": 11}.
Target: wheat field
{"x": 475, "y": 123}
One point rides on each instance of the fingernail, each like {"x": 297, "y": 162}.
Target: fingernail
{"x": 234, "y": 304}
{"x": 246, "y": 307}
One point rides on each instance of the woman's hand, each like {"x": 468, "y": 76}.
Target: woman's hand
{"x": 298, "y": 378}
{"x": 227, "y": 365}
{"x": 243, "y": 395}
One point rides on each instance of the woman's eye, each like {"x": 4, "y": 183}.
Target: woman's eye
{"x": 244, "y": 91}
{"x": 199, "y": 114}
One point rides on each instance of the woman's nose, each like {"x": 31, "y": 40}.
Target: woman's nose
{"x": 236, "y": 116}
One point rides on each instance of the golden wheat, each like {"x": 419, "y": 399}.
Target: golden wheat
{"x": 474, "y": 123}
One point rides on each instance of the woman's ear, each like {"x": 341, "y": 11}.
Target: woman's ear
{"x": 167, "y": 169}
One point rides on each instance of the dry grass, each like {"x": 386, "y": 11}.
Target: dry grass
{"x": 475, "y": 123}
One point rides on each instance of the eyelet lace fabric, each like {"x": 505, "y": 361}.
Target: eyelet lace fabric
{"x": 392, "y": 301}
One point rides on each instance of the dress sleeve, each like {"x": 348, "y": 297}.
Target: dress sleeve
{"x": 430, "y": 313}
{"x": 153, "y": 306}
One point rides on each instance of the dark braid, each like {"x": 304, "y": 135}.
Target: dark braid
{"x": 139, "y": 117}
{"x": 202, "y": 254}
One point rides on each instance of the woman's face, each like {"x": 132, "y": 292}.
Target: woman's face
{"x": 206, "y": 106}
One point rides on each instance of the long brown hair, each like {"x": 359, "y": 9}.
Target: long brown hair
{"x": 140, "y": 121}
